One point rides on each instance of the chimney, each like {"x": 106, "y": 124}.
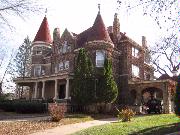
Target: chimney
{"x": 144, "y": 42}
{"x": 116, "y": 26}
{"x": 56, "y": 35}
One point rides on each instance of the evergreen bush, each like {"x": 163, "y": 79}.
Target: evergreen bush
{"x": 83, "y": 85}
{"x": 107, "y": 91}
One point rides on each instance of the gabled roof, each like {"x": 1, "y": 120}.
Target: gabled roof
{"x": 97, "y": 32}
{"x": 43, "y": 33}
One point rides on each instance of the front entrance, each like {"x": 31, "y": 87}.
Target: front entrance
{"x": 62, "y": 89}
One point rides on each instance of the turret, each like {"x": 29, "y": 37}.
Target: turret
{"x": 41, "y": 48}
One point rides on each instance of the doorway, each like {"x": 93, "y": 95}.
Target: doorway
{"x": 62, "y": 91}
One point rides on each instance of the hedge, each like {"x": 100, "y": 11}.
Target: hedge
{"x": 23, "y": 106}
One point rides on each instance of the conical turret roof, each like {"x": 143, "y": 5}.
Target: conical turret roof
{"x": 97, "y": 32}
{"x": 43, "y": 33}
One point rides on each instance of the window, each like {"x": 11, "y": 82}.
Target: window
{"x": 135, "y": 71}
{"x": 38, "y": 52}
{"x": 147, "y": 76}
{"x": 135, "y": 52}
{"x": 66, "y": 65}
{"x": 61, "y": 66}
{"x": 100, "y": 57}
{"x": 61, "y": 49}
{"x": 43, "y": 72}
{"x": 56, "y": 69}
{"x": 65, "y": 47}
{"x": 68, "y": 48}
{"x": 37, "y": 70}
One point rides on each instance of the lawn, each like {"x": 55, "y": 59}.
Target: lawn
{"x": 142, "y": 125}
{"x": 26, "y": 127}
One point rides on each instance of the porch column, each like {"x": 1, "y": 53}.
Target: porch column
{"x": 67, "y": 88}
{"x": 16, "y": 92}
{"x": 166, "y": 99}
{"x": 56, "y": 89}
{"x": 43, "y": 89}
{"x": 36, "y": 90}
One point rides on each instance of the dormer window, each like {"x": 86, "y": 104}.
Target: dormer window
{"x": 135, "y": 52}
{"x": 38, "y": 52}
{"x": 100, "y": 57}
{"x": 135, "y": 71}
{"x": 65, "y": 47}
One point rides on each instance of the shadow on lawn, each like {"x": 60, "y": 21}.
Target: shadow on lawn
{"x": 159, "y": 130}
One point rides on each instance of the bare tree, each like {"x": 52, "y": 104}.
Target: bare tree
{"x": 163, "y": 11}
{"x": 165, "y": 14}
{"x": 165, "y": 55}
{"x": 18, "y": 8}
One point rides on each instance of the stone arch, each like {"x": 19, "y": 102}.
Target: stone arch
{"x": 148, "y": 92}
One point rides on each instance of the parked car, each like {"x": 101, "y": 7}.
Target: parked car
{"x": 154, "y": 106}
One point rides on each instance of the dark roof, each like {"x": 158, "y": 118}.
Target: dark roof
{"x": 43, "y": 33}
{"x": 97, "y": 32}
{"x": 166, "y": 76}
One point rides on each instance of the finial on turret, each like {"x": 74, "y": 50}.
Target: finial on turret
{"x": 46, "y": 12}
{"x": 99, "y": 7}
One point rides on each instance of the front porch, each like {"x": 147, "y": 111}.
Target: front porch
{"x": 46, "y": 88}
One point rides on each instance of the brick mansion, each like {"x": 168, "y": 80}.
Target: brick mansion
{"x": 53, "y": 63}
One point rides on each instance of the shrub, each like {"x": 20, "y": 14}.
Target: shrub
{"x": 125, "y": 114}
{"x": 56, "y": 111}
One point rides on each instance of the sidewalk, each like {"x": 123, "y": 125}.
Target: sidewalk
{"x": 27, "y": 119}
{"x": 72, "y": 128}
{"x": 176, "y": 133}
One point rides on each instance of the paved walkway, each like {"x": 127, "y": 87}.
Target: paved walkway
{"x": 176, "y": 133}
{"x": 71, "y": 128}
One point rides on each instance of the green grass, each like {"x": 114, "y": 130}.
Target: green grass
{"x": 142, "y": 125}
